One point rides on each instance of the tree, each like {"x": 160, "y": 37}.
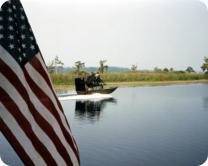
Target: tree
{"x": 57, "y": 64}
{"x": 171, "y": 69}
{"x": 103, "y": 67}
{"x": 190, "y": 69}
{"x": 134, "y": 68}
{"x": 156, "y": 69}
{"x": 54, "y": 65}
{"x": 204, "y": 67}
{"x": 165, "y": 70}
{"x": 51, "y": 67}
{"x": 79, "y": 65}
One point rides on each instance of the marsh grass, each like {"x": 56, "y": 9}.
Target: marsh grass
{"x": 68, "y": 79}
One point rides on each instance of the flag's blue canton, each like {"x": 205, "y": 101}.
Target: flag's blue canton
{"x": 15, "y": 32}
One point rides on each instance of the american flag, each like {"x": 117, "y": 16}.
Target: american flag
{"x": 31, "y": 117}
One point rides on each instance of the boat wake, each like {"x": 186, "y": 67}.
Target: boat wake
{"x": 2, "y": 163}
{"x": 94, "y": 97}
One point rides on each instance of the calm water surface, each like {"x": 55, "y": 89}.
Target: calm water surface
{"x": 140, "y": 126}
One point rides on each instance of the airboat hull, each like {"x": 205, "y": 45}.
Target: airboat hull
{"x": 101, "y": 91}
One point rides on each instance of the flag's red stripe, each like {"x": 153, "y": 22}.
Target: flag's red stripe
{"x": 46, "y": 101}
{"x": 42, "y": 58}
{"x": 15, "y": 144}
{"x": 35, "y": 62}
{"x": 46, "y": 127}
{"x": 38, "y": 66}
{"x": 26, "y": 127}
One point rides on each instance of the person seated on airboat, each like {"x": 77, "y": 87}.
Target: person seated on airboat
{"x": 98, "y": 80}
{"x": 93, "y": 84}
{"x": 94, "y": 80}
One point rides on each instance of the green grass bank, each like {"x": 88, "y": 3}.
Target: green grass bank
{"x": 132, "y": 77}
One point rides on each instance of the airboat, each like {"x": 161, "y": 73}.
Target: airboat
{"x": 82, "y": 89}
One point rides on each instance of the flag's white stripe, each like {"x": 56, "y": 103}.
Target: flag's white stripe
{"x": 38, "y": 79}
{"x": 14, "y": 95}
{"x": 39, "y": 57}
{"x": 38, "y": 105}
{"x": 42, "y": 63}
{"x": 46, "y": 114}
{"x": 52, "y": 121}
{"x": 20, "y": 136}
{"x": 54, "y": 100}
{"x": 16, "y": 68}
{"x": 44, "y": 67}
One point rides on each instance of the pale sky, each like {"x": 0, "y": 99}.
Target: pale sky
{"x": 149, "y": 33}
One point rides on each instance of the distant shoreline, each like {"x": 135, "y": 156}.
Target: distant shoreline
{"x": 137, "y": 83}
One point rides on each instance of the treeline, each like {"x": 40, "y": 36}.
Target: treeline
{"x": 133, "y": 75}
{"x": 57, "y": 66}
{"x": 92, "y": 69}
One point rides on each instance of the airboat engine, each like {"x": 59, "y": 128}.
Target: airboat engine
{"x": 80, "y": 85}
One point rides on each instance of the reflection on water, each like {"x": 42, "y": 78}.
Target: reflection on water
{"x": 91, "y": 109}
{"x": 206, "y": 103}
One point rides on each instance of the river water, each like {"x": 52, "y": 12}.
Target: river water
{"x": 138, "y": 126}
